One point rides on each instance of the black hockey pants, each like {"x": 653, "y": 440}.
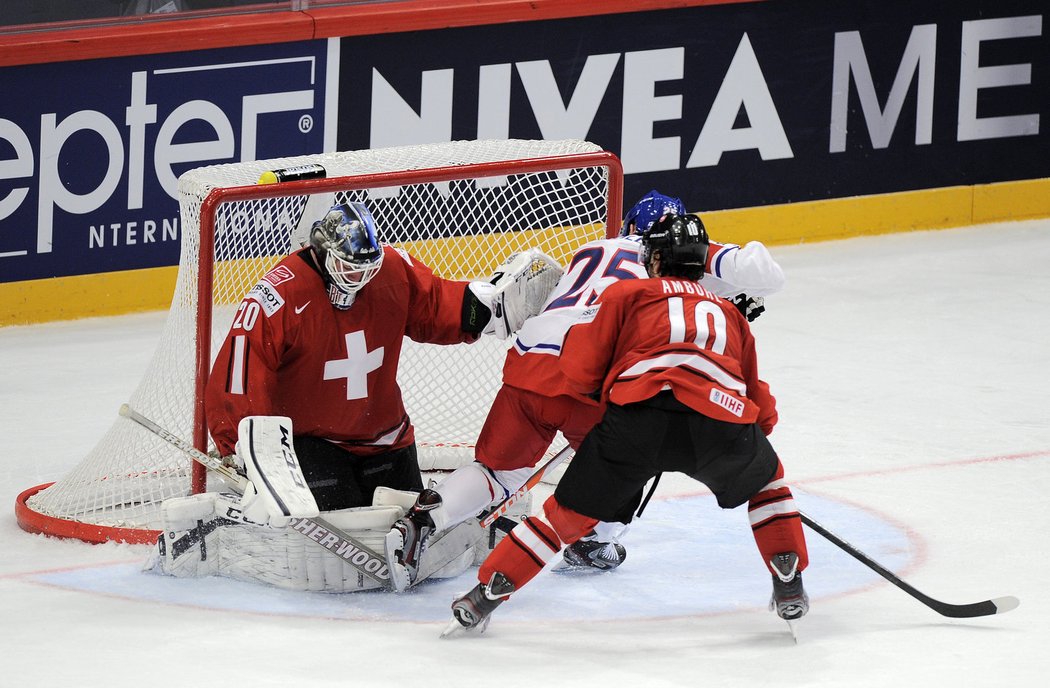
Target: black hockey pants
{"x": 339, "y": 479}
{"x": 636, "y": 442}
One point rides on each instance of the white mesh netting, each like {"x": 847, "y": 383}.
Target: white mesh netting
{"x": 461, "y": 228}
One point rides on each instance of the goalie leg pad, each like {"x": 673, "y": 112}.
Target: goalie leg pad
{"x": 449, "y": 554}
{"x": 187, "y": 545}
{"x": 208, "y": 534}
{"x": 385, "y": 496}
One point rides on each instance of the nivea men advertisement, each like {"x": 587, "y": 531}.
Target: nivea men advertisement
{"x": 737, "y": 105}
{"x": 90, "y": 152}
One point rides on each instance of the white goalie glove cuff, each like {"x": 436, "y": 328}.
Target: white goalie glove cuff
{"x": 518, "y": 290}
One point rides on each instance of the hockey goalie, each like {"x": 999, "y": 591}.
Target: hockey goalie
{"x": 316, "y": 343}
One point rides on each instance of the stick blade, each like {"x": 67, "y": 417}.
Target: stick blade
{"x": 998, "y": 605}
{"x": 1005, "y": 604}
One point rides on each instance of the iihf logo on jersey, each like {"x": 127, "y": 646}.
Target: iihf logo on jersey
{"x": 731, "y": 404}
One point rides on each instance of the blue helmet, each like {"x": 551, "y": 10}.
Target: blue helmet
{"x": 345, "y": 243}
{"x": 654, "y": 205}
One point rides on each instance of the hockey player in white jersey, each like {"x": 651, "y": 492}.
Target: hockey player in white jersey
{"x": 534, "y": 402}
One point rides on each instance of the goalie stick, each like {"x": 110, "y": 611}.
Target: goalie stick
{"x": 997, "y": 605}
{"x": 338, "y": 542}
{"x": 533, "y": 480}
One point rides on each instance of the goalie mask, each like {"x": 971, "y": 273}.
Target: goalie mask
{"x": 640, "y": 219}
{"x": 679, "y": 244}
{"x": 347, "y": 250}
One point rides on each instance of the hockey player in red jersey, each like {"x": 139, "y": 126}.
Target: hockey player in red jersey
{"x": 318, "y": 340}
{"x": 676, "y": 366}
{"x": 535, "y": 401}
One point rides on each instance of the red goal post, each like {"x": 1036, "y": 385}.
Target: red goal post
{"x": 460, "y": 207}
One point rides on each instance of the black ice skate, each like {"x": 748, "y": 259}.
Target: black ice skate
{"x": 789, "y": 597}
{"x": 587, "y": 554}
{"x": 408, "y": 538}
{"x": 471, "y": 612}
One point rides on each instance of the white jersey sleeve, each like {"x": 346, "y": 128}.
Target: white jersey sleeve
{"x": 750, "y": 269}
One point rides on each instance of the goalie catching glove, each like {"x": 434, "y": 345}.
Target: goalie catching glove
{"x": 517, "y": 291}
{"x": 276, "y": 491}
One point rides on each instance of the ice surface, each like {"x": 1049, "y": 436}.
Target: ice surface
{"x": 911, "y": 374}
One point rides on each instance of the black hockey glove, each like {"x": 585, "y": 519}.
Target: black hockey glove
{"x": 750, "y": 306}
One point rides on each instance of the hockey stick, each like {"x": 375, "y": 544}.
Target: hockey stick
{"x": 336, "y": 541}
{"x": 532, "y": 482}
{"x": 997, "y": 605}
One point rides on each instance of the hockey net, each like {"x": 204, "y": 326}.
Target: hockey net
{"x": 460, "y": 207}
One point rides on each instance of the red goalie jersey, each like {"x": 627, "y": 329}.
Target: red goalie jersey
{"x": 649, "y": 335}
{"x": 333, "y": 372}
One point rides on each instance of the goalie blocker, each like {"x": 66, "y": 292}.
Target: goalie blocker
{"x": 276, "y": 491}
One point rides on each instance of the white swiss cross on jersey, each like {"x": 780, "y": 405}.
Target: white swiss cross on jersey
{"x": 359, "y": 362}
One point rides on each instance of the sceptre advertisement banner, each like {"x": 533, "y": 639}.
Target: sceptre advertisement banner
{"x": 89, "y": 162}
